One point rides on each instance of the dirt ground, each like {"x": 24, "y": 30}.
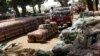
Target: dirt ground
{"x": 47, "y": 46}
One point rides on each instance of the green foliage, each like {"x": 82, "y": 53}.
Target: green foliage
{"x": 3, "y": 6}
{"x": 40, "y": 1}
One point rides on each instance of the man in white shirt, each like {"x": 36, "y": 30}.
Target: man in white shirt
{"x": 51, "y": 12}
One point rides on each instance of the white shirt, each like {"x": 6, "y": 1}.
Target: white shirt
{"x": 51, "y": 13}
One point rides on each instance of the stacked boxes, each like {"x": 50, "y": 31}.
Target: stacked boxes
{"x": 54, "y": 26}
{"x": 26, "y": 24}
{"x": 7, "y": 29}
{"x": 11, "y": 29}
{"x": 43, "y": 32}
{"x": 37, "y": 35}
{"x": 41, "y": 20}
{"x": 2, "y": 36}
{"x": 50, "y": 29}
{"x": 16, "y": 27}
{"x": 34, "y": 24}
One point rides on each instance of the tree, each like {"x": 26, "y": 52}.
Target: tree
{"x": 14, "y": 4}
{"x": 90, "y": 3}
{"x": 33, "y": 3}
{"x": 3, "y": 7}
{"x": 82, "y": 3}
{"x": 39, "y": 2}
{"x": 23, "y": 4}
{"x": 63, "y": 3}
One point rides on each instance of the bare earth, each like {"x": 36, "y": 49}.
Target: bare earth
{"x": 44, "y": 46}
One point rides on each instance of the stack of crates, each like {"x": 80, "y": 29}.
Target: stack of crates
{"x": 37, "y": 21}
{"x": 8, "y": 29}
{"x": 55, "y": 27}
{"x": 16, "y": 27}
{"x": 12, "y": 29}
{"x": 40, "y": 20}
{"x": 34, "y": 24}
{"x": 26, "y": 24}
{"x": 2, "y": 35}
{"x": 43, "y": 32}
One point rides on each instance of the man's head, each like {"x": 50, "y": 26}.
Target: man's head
{"x": 69, "y": 4}
{"x": 52, "y": 8}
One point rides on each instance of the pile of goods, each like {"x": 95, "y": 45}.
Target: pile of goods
{"x": 85, "y": 42}
{"x": 16, "y": 27}
{"x": 68, "y": 35}
{"x": 43, "y": 32}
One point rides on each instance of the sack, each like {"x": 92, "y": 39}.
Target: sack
{"x": 96, "y": 46}
{"x": 38, "y": 35}
{"x": 93, "y": 22}
{"x": 25, "y": 52}
{"x": 81, "y": 52}
{"x": 41, "y": 53}
{"x": 57, "y": 51}
{"x": 61, "y": 50}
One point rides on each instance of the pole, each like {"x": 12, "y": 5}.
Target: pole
{"x": 94, "y": 5}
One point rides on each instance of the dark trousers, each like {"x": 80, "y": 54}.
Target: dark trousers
{"x": 90, "y": 5}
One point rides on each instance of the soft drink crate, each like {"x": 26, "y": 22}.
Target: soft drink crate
{"x": 37, "y": 35}
{"x": 11, "y": 28}
{"x": 37, "y": 22}
{"x": 40, "y": 20}
{"x": 27, "y": 29}
{"x": 34, "y": 25}
{"x": 54, "y": 25}
{"x": 18, "y": 32}
{"x": 13, "y": 33}
{"x": 43, "y": 32}
{"x": 9, "y": 35}
{"x": 3, "y": 28}
{"x": 17, "y": 27}
{"x": 2, "y": 36}
{"x": 26, "y": 25}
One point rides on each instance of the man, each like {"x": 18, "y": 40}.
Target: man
{"x": 91, "y": 3}
{"x": 51, "y": 12}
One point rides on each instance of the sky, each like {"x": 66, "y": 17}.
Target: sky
{"x": 50, "y": 3}
{"x": 47, "y": 4}
{"x": 73, "y": 0}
